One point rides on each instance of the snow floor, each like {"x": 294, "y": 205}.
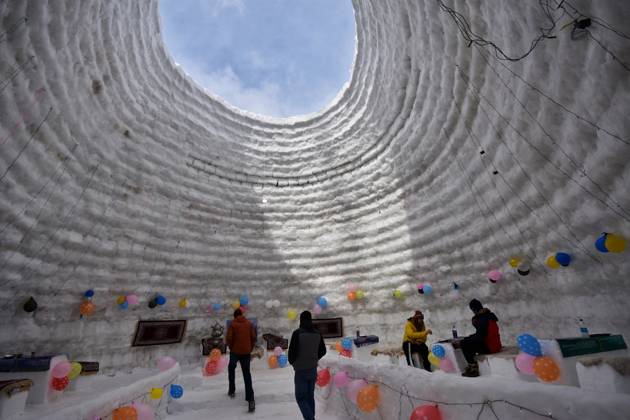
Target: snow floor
{"x": 206, "y": 397}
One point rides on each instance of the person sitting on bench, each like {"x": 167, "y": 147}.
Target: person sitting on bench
{"x": 414, "y": 341}
{"x": 485, "y": 340}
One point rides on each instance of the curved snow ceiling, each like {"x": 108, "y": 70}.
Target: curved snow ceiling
{"x": 119, "y": 174}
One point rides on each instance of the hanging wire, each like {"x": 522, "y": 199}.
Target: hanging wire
{"x": 19, "y": 69}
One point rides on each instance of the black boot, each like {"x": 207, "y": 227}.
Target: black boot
{"x": 231, "y": 395}
{"x": 252, "y": 406}
{"x": 472, "y": 370}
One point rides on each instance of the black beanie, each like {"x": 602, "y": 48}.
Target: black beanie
{"x": 475, "y": 305}
{"x": 306, "y": 318}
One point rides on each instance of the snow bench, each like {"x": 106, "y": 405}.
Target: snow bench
{"x": 610, "y": 374}
{"x": 13, "y": 394}
{"x": 37, "y": 369}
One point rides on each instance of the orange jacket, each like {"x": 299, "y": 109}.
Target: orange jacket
{"x": 241, "y": 336}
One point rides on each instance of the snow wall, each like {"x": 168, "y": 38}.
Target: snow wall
{"x": 119, "y": 173}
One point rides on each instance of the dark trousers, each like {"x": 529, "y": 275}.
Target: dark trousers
{"x": 409, "y": 348}
{"x": 244, "y": 360}
{"x": 305, "y": 392}
{"x": 471, "y": 346}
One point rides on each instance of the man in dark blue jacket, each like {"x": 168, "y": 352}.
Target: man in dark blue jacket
{"x": 306, "y": 348}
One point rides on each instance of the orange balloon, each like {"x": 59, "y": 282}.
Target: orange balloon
{"x": 125, "y": 413}
{"x": 338, "y": 346}
{"x": 87, "y": 308}
{"x": 368, "y": 398}
{"x": 215, "y": 355}
{"x": 352, "y": 296}
{"x": 546, "y": 369}
{"x": 273, "y": 362}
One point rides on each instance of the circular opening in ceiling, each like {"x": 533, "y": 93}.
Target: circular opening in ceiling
{"x": 277, "y": 58}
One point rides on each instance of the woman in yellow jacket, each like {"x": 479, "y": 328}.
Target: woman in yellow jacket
{"x": 414, "y": 341}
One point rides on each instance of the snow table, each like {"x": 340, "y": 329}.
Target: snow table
{"x": 363, "y": 344}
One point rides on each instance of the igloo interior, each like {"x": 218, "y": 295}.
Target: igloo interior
{"x": 438, "y": 163}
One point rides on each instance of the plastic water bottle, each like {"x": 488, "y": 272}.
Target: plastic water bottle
{"x": 583, "y": 329}
{"x": 454, "y": 330}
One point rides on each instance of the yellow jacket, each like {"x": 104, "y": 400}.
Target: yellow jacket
{"x": 413, "y": 335}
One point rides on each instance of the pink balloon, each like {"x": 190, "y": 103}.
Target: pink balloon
{"x": 165, "y": 363}
{"x": 420, "y": 286}
{"x": 525, "y": 363}
{"x": 426, "y": 412}
{"x": 61, "y": 370}
{"x": 317, "y": 309}
{"x": 353, "y": 389}
{"x": 223, "y": 362}
{"x": 447, "y": 366}
{"x": 277, "y": 351}
{"x": 341, "y": 379}
{"x": 494, "y": 275}
{"x": 144, "y": 411}
{"x": 133, "y": 299}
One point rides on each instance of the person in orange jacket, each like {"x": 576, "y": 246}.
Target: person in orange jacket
{"x": 414, "y": 341}
{"x": 241, "y": 339}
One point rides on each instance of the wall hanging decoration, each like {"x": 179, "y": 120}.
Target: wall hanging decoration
{"x": 30, "y": 305}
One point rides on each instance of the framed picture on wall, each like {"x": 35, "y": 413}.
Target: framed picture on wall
{"x": 329, "y": 327}
{"x": 154, "y": 333}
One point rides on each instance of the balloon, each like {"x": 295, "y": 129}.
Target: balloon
{"x": 346, "y": 353}
{"x": 156, "y": 393}
{"x": 176, "y": 391}
{"x": 455, "y": 286}
{"x": 397, "y": 294}
{"x": 494, "y": 276}
{"x": 426, "y": 412}
{"x": 338, "y": 346}
{"x": 447, "y": 366}
{"x": 61, "y": 370}
{"x": 341, "y": 379}
{"x": 165, "y": 363}
{"x": 615, "y": 243}
{"x": 144, "y": 411}
{"x": 421, "y": 288}
{"x": 323, "y": 377}
{"x": 323, "y": 302}
{"x": 277, "y": 351}
{"x": 160, "y": 300}
{"x": 272, "y": 361}
{"x": 59, "y": 384}
{"x": 546, "y": 369}
{"x": 292, "y": 314}
{"x": 368, "y": 398}
{"x": 87, "y": 308}
{"x": 523, "y": 269}
{"x": 434, "y": 360}
{"x": 222, "y": 363}
{"x": 439, "y": 351}
{"x": 124, "y": 305}
{"x": 75, "y": 370}
{"x": 283, "y": 360}
{"x": 317, "y": 309}
{"x": 215, "y": 354}
{"x": 183, "y": 303}
{"x": 243, "y": 300}
{"x": 235, "y": 304}
{"x": 216, "y": 307}
{"x": 353, "y": 389}
{"x": 563, "y": 259}
{"x": 514, "y": 262}
{"x": 133, "y": 299}
{"x": 88, "y": 293}
{"x": 125, "y": 413}
{"x": 30, "y": 305}
{"x": 525, "y": 363}
{"x": 346, "y": 343}
{"x": 120, "y": 299}
{"x": 552, "y": 263}
{"x": 269, "y": 304}
{"x": 600, "y": 243}
{"x": 360, "y": 294}
{"x": 529, "y": 344}
{"x": 427, "y": 288}
{"x": 352, "y": 296}
{"x": 152, "y": 303}
{"x": 211, "y": 368}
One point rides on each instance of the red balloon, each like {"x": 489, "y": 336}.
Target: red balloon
{"x": 323, "y": 377}
{"x": 59, "y": 384}
{"x": 426, "y": 412}
{"x": 212, "y": 367}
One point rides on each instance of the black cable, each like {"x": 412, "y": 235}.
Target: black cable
{"x": 20, "y": 68}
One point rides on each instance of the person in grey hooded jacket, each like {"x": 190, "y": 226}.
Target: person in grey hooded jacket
{"x": 305, "y": 349}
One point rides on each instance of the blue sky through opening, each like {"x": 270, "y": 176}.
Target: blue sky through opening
{"x": 277, "y": 58}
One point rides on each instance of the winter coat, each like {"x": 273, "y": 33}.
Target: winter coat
{"x": 306, "y": 347}
{"x": 412, "y": 334}
{"x": 241, "y": 336}
{"x": 487, "y": 330}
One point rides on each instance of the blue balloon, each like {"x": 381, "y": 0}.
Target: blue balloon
{"x": 124, "y": 305}
{"x": 438, "y": 351}
{"x": 216, "y": 307}
{"x": 88, "y": 293}
{"x": 177, "y": 391}
{"x": 346, "y": 343}
{"x": 600, "y": 243}
{"x": 160, "y": 300}
{"x": 323, "y": 302}
{"x": 244, "y": 300}
{"x": 283, "y": 360}
{"x": 427, "y": 288}
{"x": 563, "y": 259}
{"x": 529, "y": 344}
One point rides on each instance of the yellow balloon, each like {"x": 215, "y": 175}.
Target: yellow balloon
{"x": 434, "y": 360}
{"x": 121, "y": 299}
{"x": 615, "y": 243}
{"x": 156, "y": 393}
{"x": 236, "y": 304}
{"x": 360, "y": 294}
{"x": 514, "y": 262}
{"x": 552, "y": 262}
{"x": 291, "y": 314}
{"x": 397, "y": 294}
{"x": 183, "y": 303}
{"x": 75, "y": 370}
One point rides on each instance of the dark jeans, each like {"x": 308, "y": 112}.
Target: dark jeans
{"x": 305, "y": 392}
{"x": 244, "y": 359}
{"x": 471, "y": 346}
{"x": 409, "y": 348}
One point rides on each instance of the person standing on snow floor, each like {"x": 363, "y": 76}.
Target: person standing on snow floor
{"x": 305, "y": 349}
{"x": 485, "y": 340}
{"x": 241, "y": 339}
{"x": 414, "y": 342}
